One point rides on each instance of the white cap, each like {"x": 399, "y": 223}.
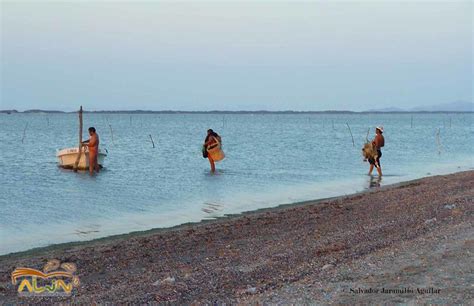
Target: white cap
{"x": 380, "y": 128}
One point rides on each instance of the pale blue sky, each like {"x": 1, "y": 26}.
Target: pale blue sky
{"x": 234, "y": 55}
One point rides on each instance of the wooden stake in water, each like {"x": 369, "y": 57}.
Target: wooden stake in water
{"x": 24, "y": 133}
{"x": 152, "y": 142}
{"x": 411, "y": 122}
{"x": 353, "y": 143}
{"x": 112, "y": 133}
{"x": 438, "y": 140}
{"x": 76, "y": 164}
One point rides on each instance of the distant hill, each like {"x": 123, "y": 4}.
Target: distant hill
{"x": 456, "y": 106}
{"x": 34, "y": 111}
{"x": 8, "y": 111}
{"x": 387, "y": 110}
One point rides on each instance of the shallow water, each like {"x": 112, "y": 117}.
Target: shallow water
{"x": 271, "y": 159}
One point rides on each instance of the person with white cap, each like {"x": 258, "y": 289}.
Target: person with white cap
{"x": 378, "y": 142}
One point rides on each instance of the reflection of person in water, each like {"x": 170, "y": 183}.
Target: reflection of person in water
{"x": 374, "y": 182}
{"x": 378, "y": 142}
{"x": 93, "y": 145}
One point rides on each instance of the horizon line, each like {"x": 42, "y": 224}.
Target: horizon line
{"x": 141, "y": 111}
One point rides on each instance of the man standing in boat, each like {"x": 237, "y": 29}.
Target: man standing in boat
{"x": 93, "y": 145}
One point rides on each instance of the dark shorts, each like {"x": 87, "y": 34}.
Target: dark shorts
{"x": 372, "y": 161}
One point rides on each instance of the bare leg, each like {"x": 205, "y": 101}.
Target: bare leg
{"x": 213, "y": 165}
{"x": 91, "y": 164}
{"x": 371, "y": 169}
{"x": 379, "y": 170}
{"x": 96, "y": 164}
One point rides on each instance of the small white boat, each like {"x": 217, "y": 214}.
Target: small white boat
{"x": 67, "y": 158}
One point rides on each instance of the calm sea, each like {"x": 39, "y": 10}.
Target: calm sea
{"x": 271, "y": 160}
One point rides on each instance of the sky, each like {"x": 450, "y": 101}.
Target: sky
{"x": 246, "y": 55}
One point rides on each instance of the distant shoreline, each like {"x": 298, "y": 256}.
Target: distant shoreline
{"x": 243, "y": 112}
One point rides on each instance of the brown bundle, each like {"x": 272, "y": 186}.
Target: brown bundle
{"x": 369, "y": 151}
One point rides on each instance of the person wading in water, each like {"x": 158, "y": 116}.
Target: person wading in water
{"x": 378, "y": 142}
{"x": 93, "y": 145}
{"x": 212, "y": 140}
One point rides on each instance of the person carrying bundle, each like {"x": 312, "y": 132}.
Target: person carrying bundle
{"x": 212, "y": 149}
{"x": 377, "y": 143}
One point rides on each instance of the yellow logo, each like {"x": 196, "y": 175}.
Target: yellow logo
{"x": 61, "y": 279}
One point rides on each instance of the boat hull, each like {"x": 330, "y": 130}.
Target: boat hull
{"x": 67, "y": 158}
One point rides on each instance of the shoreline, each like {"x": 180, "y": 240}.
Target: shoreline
{"x": 238, "y": 112}
{"x": 311, "y": 251}
{"x": 186, "y": 225}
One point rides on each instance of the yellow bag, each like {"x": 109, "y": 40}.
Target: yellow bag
{"x": 215, "y": 152}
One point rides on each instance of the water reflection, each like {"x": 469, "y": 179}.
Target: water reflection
{"x": 212, "y": 210}
{"x": 374, "y": 181}
{"x": 87, "y": 230}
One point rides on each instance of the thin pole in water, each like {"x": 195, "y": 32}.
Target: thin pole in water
{"x": 353, "y": 143}
{"x": 438, "y": 141}
{"x": 76, "y": 164}
{"x": 24, "y": 133}
{"x": 112, "y": 133}
{"x": 411, "y": 121}
{"x": 152, "y": 142}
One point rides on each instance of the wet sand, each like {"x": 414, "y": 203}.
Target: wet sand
{"x": 410, "y": 236}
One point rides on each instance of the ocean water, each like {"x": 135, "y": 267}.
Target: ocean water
{"x": 271, "y": 159}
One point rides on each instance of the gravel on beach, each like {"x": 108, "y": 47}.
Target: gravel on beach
{"x": 408, "y": 243}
